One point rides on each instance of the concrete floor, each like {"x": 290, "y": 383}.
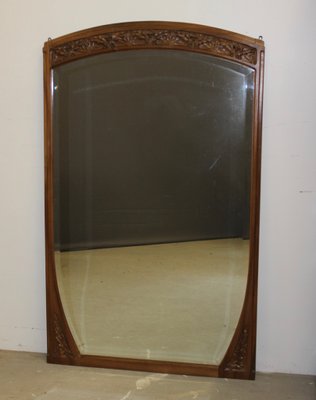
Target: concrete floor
{"x": 26, "y": 376}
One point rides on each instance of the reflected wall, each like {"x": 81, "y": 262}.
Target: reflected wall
{"x": 151, "y": 147}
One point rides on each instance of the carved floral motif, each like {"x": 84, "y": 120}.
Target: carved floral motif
{"x": 237, "y": 361}
{"x": 62, "y": 347}
{"x": 151, "y": 38}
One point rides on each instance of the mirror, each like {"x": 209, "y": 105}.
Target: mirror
{"x": 152, "y": 198}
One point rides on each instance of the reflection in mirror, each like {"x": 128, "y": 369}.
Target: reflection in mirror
{"x": 151, "y": 182}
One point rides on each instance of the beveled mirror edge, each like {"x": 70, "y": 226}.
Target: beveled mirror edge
{"x": 239, "y": 361}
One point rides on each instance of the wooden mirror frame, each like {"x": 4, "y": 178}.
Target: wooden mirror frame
{"x": 239, "y": 361}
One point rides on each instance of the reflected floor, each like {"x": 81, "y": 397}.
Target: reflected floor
{"x": 173, "y": 302}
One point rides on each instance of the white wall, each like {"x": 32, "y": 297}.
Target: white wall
{"x": 287, "y": 294}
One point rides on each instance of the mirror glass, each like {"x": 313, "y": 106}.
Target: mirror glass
{"x": 152, "y": 155}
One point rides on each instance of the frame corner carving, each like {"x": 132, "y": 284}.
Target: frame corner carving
{"x": 61, "y": 347}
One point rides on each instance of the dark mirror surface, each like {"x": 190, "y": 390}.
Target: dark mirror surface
{"x": 151, "y": 202}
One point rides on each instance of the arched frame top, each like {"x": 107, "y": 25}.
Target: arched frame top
{"x": 239, "y": 361}
{"x": 151, "y": 35}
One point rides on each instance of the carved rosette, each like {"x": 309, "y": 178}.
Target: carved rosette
{"x": 153, "y": 38}
{"x": 239, "y": 356}
{"x": 62, "y": 348}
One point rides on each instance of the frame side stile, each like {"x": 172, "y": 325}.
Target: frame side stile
{"x": 59, "y": 345}
{"x": 239, "y": 361}
{"x": 256, "y": 267}
{"x": 48, "y": 222}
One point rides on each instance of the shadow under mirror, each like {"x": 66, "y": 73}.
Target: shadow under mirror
{"x": 151, "y": 183}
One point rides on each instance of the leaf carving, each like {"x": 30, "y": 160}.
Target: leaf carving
{"x": 62, "y": 347}
{"x": 153, "y": 38}
{"x": 237, "y": 361}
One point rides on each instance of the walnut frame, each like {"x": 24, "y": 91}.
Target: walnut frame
{"x": 239, "y": 361}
